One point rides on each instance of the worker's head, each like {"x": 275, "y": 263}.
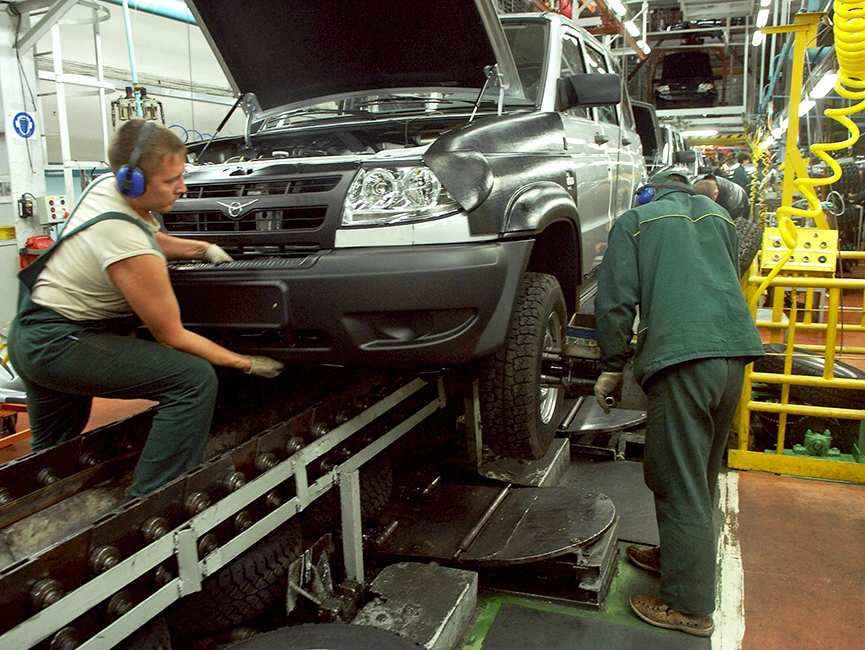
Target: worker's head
{"x": 729, "y": 195}
{"x": 743, "y": 158}
{"x": 663, "y": 183}
{"x": 707, "y": 186}
{"x": 148, "y": 161}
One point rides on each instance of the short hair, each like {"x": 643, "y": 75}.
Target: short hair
{"x": 160, "y": 143}
{"x": 743, "y": 157}
{"x": 707, "y": 186}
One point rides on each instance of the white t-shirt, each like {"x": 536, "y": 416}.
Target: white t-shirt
{"x": 74, "y": 282}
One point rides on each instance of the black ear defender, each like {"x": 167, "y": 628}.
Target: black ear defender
{"x": 130, "y": 179}
{"x": 647, "y": 192}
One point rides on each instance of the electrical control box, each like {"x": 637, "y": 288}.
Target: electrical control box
{"x": 53, "y": 209}
{"x": 816, "y": 250}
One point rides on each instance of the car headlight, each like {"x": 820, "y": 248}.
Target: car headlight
{"x": 663, "y": 88}
{"x": 705, "y": 87}
{"x": 386, "y": 195}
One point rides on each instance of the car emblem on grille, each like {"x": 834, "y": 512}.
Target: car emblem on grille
{"x": 236, "y": 208}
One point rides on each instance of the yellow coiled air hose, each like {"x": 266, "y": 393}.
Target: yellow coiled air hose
{"x": 849, "y": 33}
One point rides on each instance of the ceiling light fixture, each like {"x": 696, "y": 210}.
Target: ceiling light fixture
{"x": 699, "y": 133}
{"x": 806, "y": 106}
{"x": 632, "y": 28}
{"x": 617, "y": 7}
{"x": 762, "y": 18}
{"x": 826, "y": 83}
{"x": 765, "y": 3}
{"x": 644, "y": 46}
{"x": 757, "y": 38}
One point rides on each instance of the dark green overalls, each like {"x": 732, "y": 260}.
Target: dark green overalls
{"x": 677, "y": 259}
{"x": 65, "y": 363}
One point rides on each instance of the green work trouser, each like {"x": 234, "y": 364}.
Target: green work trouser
{"x": 690, "y": 410}
{"x": 65, "y": 364}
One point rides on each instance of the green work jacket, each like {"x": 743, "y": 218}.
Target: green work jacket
{"x": 675, "y": 262}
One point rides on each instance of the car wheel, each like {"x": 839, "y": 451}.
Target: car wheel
{"x": 518, "y": 415}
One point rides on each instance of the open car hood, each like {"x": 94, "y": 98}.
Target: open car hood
{"x": 291, "y": 51}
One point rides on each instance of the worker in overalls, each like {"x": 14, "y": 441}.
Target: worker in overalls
{"x": 83, "y": 298}
{"x": 673, "y": 260}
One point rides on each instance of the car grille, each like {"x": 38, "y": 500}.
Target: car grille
{"x": 258, "y": 218}
{"x": 262, "y": 188}
{"x": 283, "y": 219}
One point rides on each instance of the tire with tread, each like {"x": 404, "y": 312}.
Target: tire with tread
{"x": 518, "y": 417}
{"x": 750, "y": 242}
{"x": 816, "y": 395}
{"x": 241, "y": 590}
{"x": 376, "y": 485}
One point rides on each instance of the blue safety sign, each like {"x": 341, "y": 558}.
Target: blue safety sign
{"x": 24, "y": 124}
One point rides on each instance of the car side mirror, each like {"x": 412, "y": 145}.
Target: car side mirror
{"x": 685, "y": 157}
{"x": 588, "y": 90}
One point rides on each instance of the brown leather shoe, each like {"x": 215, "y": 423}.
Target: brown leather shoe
{"x": 656, "y": 612}
{"x": 646, "y": 558}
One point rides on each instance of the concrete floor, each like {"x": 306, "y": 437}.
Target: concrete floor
{"x": 792, "y": 561}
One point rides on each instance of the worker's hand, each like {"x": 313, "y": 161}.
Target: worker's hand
{"x": 265, "y": 367}
{"x": 608, "y": 389}
{"x": 215, "y": 255}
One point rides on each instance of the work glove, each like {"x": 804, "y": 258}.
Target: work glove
{"x": 215, "y": 255}
{"x": 265, "y": 366}
{"x": 608, "y": 389}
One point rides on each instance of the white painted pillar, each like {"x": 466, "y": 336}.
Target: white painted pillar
{"x": 21, "y": 159}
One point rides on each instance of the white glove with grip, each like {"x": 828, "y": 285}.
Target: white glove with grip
{"x": 265, "y": 367}
{"x": 608, "y": 389}
{"x": 215, "y": 255}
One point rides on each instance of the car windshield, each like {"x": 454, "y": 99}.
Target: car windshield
{"x": 528, "y": 41}
{"x": 686, "y": 65}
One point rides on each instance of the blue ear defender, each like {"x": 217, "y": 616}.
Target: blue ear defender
{"x": 131, "y": 181}
{"x": 648, "y": 191}
{"x": 645, "y": 194}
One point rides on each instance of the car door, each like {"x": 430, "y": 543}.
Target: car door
{"x": 619, "y": 130}
{"x": 587, "y": 143}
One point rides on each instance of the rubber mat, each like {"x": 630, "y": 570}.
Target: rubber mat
{"x": 622, "y": 481}
{"x": 517, "y": 628}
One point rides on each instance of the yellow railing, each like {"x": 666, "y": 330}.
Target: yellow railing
{"x": 783, "y": 323}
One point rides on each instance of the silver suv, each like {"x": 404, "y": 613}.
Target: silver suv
{"x": 417, "y": 188}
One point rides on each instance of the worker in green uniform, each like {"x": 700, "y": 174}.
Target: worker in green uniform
{"x": 81, "y": 301}
{"x": 674, "y": 262}
{"x": 741, "y": 176}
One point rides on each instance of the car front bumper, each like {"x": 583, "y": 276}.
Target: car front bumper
{"x": 429, "y": 306}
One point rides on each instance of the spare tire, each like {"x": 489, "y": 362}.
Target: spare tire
{"x": 805, "y": 363}
{"x": 750, "y": 242}
{"x": 241, "y": 590}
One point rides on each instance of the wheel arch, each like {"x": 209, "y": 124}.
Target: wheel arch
{"x": 547, "y": 210}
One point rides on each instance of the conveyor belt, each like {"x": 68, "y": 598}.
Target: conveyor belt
{"x": 154, "y": 549}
